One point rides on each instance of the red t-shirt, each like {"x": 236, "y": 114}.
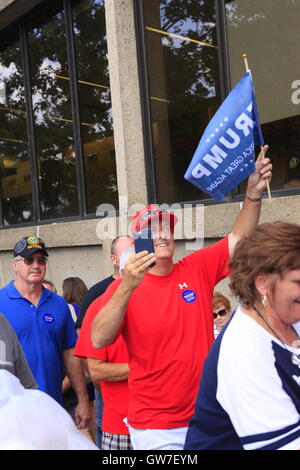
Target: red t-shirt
{"x": 114, "y": 394}
{"x": 168, "y": 329}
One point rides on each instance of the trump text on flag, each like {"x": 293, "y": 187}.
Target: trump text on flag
{"x": 225, "y": 155}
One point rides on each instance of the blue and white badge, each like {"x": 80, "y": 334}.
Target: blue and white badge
{"x": 48, "y": 318}
{"x": 189, "y": 296}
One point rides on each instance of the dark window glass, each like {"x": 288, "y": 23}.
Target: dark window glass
{"x": 54, "y": 134}
{"x": 15, "y": 179}
{"x": 95, "y": 104}
{"x": 53, "y": 118}
{"x": 182, "y": 63}
{"x": 268, "y": 32}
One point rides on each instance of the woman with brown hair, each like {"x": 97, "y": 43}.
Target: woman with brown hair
{"x": 249, "y": 394}
{"x": 74, "y": 291}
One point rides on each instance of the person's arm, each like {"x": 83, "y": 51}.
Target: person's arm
{"x": 107, "y": 323}
{"x": 76, "y": 375}
{"x": 105, "y": 371}
{"x": 248, "y": 218}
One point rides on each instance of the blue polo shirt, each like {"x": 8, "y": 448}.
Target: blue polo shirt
{"x": 44, "y": 332}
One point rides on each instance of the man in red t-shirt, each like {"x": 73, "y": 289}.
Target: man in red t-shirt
{"x": 164, "y": 314}
{"x": 109, "y": 367}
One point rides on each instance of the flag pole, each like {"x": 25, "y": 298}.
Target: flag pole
{"x": 244, "y": 56}
{"x": 246, "y": 62}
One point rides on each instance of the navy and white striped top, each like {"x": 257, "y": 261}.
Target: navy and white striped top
{"x": 249, "y": 395}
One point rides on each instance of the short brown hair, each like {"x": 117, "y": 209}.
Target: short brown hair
{"x": 74, "y": 290}
{"x": 273, "y": 248}
{"x": 115, "y": 241}
{"x": 220, "y": 299}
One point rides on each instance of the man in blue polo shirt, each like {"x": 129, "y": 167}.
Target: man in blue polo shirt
{"x": 44, "y": 326}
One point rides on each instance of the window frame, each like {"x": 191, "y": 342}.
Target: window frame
{"x": 21, "y": 26}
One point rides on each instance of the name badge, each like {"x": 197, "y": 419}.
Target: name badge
{"x": 48, "y": 318}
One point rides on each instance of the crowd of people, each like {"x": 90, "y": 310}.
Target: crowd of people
{"x": 125, "y": 357}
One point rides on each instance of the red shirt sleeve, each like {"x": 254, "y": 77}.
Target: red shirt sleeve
{"x": 212, "y": 261}
{"x": 84, "y": 347}
{"x": 217, "y": 260}
{"x": 108, "y": 295}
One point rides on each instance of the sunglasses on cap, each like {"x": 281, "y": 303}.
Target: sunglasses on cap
{"x": 29, "y": 261}
{"x": 220, "y": 313}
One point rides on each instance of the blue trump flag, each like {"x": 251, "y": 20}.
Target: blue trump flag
{"x": 225, "y": 155}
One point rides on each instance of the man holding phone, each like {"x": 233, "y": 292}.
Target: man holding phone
{"x": 164, "y": 315}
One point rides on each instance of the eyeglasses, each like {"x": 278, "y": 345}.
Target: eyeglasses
{"x": 220, "y": 313}
{"x": 29, "y": 261}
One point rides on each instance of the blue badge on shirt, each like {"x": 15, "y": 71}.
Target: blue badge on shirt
{"x": 189, "y": 296}
{"x": 48, "y": 318}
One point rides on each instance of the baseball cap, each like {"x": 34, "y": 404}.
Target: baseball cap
{"x": 143, "y": 217}
{"x": 26, "y": 246}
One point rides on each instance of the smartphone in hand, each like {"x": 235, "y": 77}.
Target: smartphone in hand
{"x": 143, "y": 241}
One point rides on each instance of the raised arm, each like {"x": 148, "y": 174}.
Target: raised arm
{"x": 248, "y": 217}
{"x": 108, "y": 321}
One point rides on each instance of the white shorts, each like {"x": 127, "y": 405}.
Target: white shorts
{"x": 157, "y": 439}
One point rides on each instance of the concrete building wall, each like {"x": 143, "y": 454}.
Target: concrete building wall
{"x": 10, "y": 10}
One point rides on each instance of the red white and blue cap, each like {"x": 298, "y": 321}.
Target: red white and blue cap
{"x": 142, "y": 218}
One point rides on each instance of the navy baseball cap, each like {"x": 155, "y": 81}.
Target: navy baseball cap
{"x": 26, "y": 246}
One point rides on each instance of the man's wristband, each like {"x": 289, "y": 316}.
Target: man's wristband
{"x": 253, "y": 199}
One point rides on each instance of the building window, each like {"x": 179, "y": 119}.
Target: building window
{"x": 268, "y": 33}
{"x": 192, "y": 57}
{"x": 95, "y": 104}
{"x": 15, "y": 180}
{"x": 57, "y": 145}
{"x": 52, "y": 113}
{"x": 183, "y": 87}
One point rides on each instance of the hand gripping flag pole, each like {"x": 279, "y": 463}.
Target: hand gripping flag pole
{"x": 262, "y": 154}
